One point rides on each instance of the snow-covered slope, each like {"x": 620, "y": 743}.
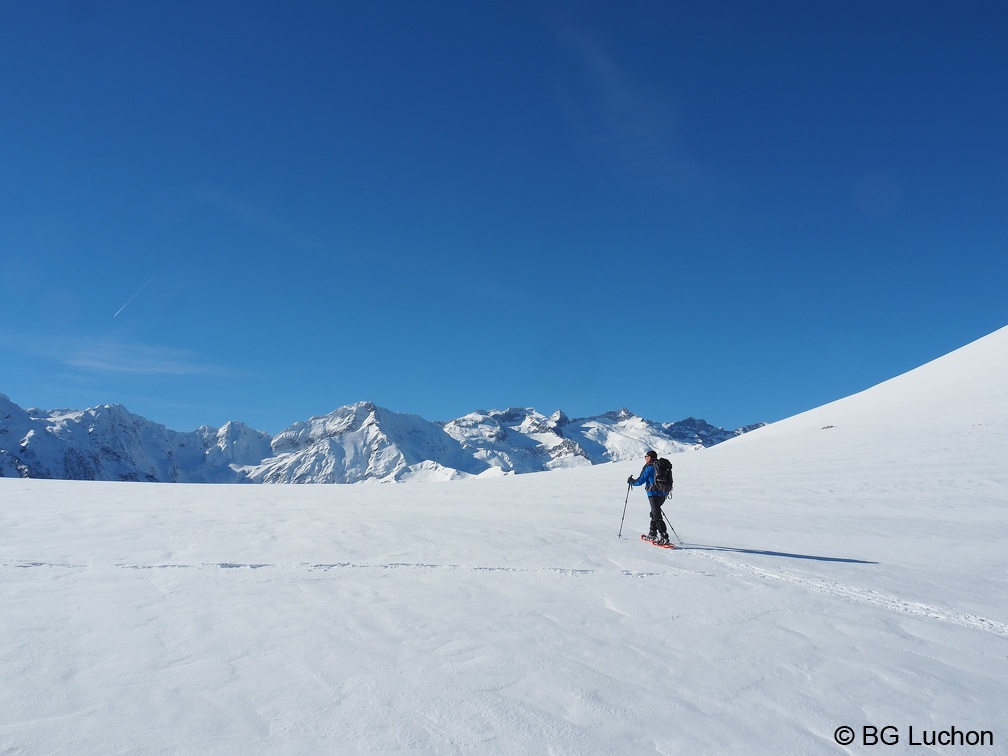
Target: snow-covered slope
{"x": 111, "y": 443}
{"x": 364, "y": 442}
{"x": 852, "y": 576}
{"x": 929, "y": 434}
{"x": 360, "y": 442}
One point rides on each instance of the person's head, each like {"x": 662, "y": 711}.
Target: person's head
{"x": 650, "y": 456}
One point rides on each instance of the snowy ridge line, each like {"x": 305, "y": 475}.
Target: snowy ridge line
{"x": 324, "y": 567}
{"x": 867, "y": 596}
{"x": 355, "y": 443}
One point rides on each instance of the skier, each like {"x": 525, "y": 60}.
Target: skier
{"x": 658, "y": 532}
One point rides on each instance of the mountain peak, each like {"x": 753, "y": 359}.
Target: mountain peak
{"x": 353, "y": 443}
{"x": 619, "y": 415}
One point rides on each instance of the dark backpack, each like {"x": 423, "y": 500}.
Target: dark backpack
{"x": 663, "y": 476}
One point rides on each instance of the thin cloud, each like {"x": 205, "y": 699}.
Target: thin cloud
{"x": 110, "y": 356}
{"x": 257, "y": 218}
{"x": 116, "y": 357}
{"x": 628, "y": 123}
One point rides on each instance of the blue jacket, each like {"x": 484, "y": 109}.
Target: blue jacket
{"x": 647, "y": 479}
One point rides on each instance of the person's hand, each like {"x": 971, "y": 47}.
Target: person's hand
{"x": 630, "y": 480}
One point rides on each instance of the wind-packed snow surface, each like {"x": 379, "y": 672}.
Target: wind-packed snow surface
{"x": 844, "y": 567}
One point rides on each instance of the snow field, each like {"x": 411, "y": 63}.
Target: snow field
{"x": 831, "y": 576}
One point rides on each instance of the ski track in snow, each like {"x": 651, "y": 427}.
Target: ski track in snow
{"x": 868, "y": 596}
{"x": 310, "y": 567}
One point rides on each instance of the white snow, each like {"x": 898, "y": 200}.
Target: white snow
{"x": 846, "y": 566}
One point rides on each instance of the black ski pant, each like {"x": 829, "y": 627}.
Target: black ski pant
{"x": 657, "y": 521}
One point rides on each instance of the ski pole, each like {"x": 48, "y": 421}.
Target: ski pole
{"x": 620, "y": 534}
{"x": 670, "y": 525}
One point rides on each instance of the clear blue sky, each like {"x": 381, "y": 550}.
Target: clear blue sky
{"x": 262, "y": 211}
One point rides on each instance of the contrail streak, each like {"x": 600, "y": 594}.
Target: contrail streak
{"x": 134, "y": 296}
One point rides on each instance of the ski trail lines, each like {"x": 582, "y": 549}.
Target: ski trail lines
{"x": 868, "y": 596}
{"x": 322, "y": 567}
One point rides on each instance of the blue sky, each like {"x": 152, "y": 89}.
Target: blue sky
{"x": 261, "y": 211}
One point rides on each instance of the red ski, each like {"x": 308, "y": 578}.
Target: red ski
{"x": 655, "y": 543}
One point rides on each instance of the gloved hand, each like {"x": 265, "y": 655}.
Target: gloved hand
{"x": 630, "y": 480}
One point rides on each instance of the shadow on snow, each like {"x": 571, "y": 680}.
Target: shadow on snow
{"x": 762, "y": 552}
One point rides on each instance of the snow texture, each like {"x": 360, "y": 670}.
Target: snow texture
{"x": 844, "y": 567}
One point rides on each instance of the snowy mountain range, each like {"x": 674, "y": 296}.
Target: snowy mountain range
{"x": 358, "y": 442}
